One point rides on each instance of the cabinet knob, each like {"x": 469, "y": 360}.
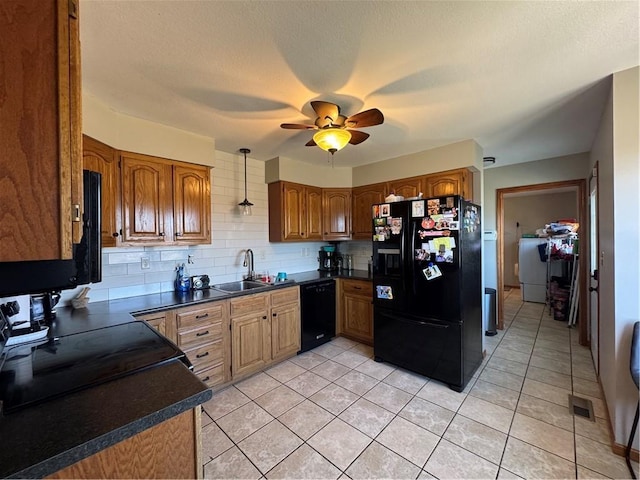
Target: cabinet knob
{"x": 178, "y": 234}
{"x": 264, "y": 317}
{"x": 302, "y": 234}
{"x": 115, "y": 234}
{"x": 162, "y": 234}
{"x": 275, "y": 314}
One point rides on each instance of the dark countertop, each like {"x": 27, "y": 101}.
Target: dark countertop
{"x": 316, "y": 275}
{"x": 45, "y": 438}
{"x": 41, "y": 440}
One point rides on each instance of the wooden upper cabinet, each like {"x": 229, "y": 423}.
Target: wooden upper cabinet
{"x": 336, "y": 213}
{"x": 407, "y": 187}
{"x": 295, "y": 212}
{"x": 192, "y": 204}
{"x": 146, "y": 199}
{"x": 362, "y": 199}
{"x": 40, "y": 138}
{"x": 98, "y": 157}
{"x": 313, "y": 205}
{"x": 164, "y": 202}
{"x": 452, "y": 182}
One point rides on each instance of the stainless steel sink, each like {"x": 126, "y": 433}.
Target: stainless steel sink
{"x": 240, "y": 286}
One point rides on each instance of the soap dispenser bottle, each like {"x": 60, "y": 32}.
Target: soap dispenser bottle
{"x": 183, "y": 281}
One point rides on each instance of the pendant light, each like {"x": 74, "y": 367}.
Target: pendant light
{"x": 245, "y": 205}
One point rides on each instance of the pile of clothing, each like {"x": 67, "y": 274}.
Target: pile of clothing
{"x": 560, "y": 229}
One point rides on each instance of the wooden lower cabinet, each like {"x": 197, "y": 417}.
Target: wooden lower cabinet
{"x": 158, "y": 321}
{"x": 264, "y": 330}
{"x": 171, "y": 449}
{"x": 203, "y": 335}
{"x": 356, "y": 310}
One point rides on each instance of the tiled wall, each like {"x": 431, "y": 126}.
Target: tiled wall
{"x": 232, "y": 234}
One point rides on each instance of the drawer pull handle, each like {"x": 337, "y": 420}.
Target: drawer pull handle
{"x": 206, "y": 379}
{"x": 357, "y": 288}
{"x": 202, "y": 355}
{"x": 275, "y": 314}
{"x": 200, "y": 334}
{"x": 198, "y": 317}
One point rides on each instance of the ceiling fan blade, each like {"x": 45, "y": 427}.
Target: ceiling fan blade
{"x": 357, "y": 137}
{"x": 326, "y": 109}
{"x": 310, "y": 143}
{"x": 297, "y": 126}
{"x": 368, "y": 118}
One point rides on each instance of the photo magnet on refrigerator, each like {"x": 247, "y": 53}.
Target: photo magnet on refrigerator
{"x": 385, "y": 292}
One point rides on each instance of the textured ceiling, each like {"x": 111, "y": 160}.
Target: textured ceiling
{"x": 526, "y": 80}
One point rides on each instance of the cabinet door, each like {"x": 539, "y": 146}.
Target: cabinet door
{"x": 191, "y": 204}
{"x": 336, "y": 213}
{"x": 98, "y": 157}
{"x": 285, "y": 331}
{"x": 358, "y": 317}
{"x": 453, "y": 182}
{"x": 250, "y": 343}
{"x": 155, "y": 320}
{"x": 313, "y": 213}
{"x": 41, "y": 132}
{"x": 146, "y": 200}
{"x": 407, "y": 187}
{"x": 363, "y": 198}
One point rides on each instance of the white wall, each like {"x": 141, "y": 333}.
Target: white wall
{"x": 617, "y": 152}
{"x": 325, "y": 174}
{"x": 570, "y": 167}
{"x": 532, "y": 212}
{"x": 231, "y": 232}
{"x": 464, "y": 154}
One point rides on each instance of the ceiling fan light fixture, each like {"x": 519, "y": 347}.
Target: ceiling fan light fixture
{"x": 332, "y": 139}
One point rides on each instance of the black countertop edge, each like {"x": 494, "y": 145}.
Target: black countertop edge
{"x": 110, "y": 312}
{"x": 112, "y": 412}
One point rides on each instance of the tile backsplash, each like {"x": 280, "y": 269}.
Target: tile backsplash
{"x": 231, "y": 232}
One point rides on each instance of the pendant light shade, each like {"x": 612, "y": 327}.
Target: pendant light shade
{"x": 245, "y": 205}
{"x": 332, "y": 139}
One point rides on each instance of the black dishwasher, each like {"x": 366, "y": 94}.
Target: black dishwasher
{"x": 318, "y": 313}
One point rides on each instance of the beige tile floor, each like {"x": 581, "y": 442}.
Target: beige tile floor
{"x": 334, "y": 412}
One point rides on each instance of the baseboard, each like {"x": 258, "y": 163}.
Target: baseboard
{"x": 622, "y": 451}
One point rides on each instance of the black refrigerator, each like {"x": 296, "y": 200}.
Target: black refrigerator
{"x": 427, "y": 287}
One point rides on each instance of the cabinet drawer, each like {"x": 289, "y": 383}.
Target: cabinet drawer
{"x": 197, "y": 316}
{"x": 249, "y": 304}
{"x": 355, "y": 287}
{"x": 198, "y": 336}
{"x": 284, "y": 296}
{"x": 206, "y": 355}
{"x": 212, "y": 376}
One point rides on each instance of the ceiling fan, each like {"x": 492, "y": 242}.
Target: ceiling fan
{"x": 334, "y": 129}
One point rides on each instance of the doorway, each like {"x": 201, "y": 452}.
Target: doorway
{"x": 579, "y": 186}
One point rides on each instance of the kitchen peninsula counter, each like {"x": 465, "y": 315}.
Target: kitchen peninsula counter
{"x": 43, "y": 439}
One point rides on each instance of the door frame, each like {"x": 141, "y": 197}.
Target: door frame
{"x": 595, "y": 177}
{"x": 583, "y": 251}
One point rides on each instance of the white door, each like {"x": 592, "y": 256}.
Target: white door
{"x": 594, "y": 323}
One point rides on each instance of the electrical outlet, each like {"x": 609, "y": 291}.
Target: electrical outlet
{"x": 145, "y": 263}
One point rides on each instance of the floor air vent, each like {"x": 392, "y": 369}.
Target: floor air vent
{"x": 581, "y": 407}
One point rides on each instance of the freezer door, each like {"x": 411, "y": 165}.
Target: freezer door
{"x": 426, "y": 346}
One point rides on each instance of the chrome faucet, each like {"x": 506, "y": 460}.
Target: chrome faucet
{"x": 248, "y": 262}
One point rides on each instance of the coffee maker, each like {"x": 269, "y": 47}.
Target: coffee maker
{"x": 328, "y": 259}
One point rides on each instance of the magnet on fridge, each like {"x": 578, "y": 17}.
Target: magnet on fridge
{"x": 384, "y": 292}
{"x": 432, "y": 272}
